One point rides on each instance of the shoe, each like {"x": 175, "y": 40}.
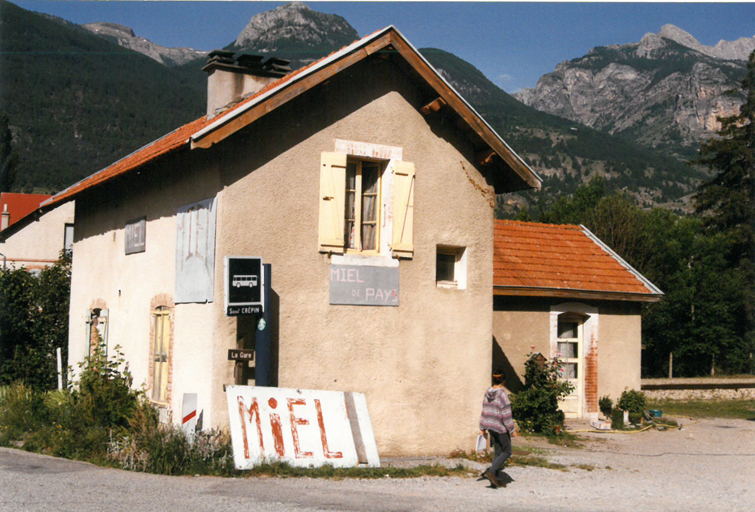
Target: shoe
{"x": 499, "y": 482}
{"x": 491, "y": 477}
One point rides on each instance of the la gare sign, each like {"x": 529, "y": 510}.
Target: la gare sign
{"x": 305, "y": 428}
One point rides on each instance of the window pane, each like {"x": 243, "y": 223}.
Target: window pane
{"x": 444, "y": 267}
{"x": 349, "y": 234}
{"x": 369, "y": 206}
{"x": 570, "y": 371}
{"x": 567, "y": 350}
{"x": 567, "y": 329}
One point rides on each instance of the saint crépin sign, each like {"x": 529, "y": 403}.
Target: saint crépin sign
{"x": 244, "y": 286}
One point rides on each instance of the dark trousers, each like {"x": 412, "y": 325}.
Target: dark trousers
{"x": 502, "y": 446}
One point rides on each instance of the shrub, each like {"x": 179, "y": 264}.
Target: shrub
{"x": 617, "y": 419}
{"x": 535, "y": 407}
{"x": 635, "y": 418}
{"x": 606, "y": 406}
{"x": 34, "y": 323}
{"x": 77, "y": 423}
{"x": 632, "y": 401}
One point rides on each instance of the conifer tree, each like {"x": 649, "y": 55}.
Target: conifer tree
{"x": 8, "y": 157}
{"x": 727, "y": 202}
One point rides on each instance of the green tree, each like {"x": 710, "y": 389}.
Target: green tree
{"x": 34, "y": 323}
{"x": 8, "y": 156}
{"x": 727, "y": 202}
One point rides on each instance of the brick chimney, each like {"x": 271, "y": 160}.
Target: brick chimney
{"x": 5, "y": 221}
{"x": 233, "y": 76}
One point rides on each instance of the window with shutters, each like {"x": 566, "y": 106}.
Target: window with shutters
{"x": 366, "y": 205}
{"x": 161, "y": 325}
{"x": 362, "y": 215}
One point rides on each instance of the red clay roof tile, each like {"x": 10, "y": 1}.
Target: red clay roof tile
{"x": 563, "y": 257}
{"x": 20, "y": 205}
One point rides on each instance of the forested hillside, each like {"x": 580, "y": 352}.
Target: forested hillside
{"x": 565, "y": 153}
{"x": 76, "y": 102}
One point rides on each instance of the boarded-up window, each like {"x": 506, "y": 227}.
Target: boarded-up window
{"x": 195, "y": 252}
{"x": 161, "y": 354}
{"x": 136, "y": 236}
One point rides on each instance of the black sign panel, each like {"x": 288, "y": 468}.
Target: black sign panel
{"x": 244, "y": 285}
{"x": 235, "y": 354}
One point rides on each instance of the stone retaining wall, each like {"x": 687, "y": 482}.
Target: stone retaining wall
{"x": 700, "y": 394}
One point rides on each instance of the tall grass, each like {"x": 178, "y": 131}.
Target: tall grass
{"x": 103, "y": 420}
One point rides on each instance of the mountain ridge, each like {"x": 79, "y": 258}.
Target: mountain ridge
{"x": 665, "y": 91}
{"x": 129, "y": 100}
{"x": 125, "y": 37}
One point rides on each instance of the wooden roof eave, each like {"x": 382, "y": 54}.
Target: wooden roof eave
{"x": 524, "y": 291}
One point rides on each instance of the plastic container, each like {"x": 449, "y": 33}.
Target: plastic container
{"x": 655, "y": 413}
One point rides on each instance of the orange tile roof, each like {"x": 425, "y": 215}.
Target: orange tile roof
{"x": 561, "y": 257}
{"x": 20, "y": 205}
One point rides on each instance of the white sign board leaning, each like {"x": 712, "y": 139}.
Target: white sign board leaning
{"x": 305, "y": 428}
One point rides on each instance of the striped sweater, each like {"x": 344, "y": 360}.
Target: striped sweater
{"x": 496, "y": 412}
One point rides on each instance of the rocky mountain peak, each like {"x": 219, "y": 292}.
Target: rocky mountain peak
{"x": 295, "y": 25}
{"x": 110, "y": 28}
{"x": 680, "y": 36}
{"x": 728, "y": 50}
{"x": 656, "y": 92}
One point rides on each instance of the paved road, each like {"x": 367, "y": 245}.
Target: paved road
{"x": 706, "y": 466}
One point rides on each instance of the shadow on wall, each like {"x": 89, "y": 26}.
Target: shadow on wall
{"x": 247, "y": 329}
{"x": 512, "y": 381}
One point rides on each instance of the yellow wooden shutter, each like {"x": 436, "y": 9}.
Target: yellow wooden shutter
{"x": 403, "y": 209}
{"x": 332, "y": 196}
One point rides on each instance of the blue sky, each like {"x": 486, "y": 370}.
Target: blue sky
{"x": 513, "y": 43}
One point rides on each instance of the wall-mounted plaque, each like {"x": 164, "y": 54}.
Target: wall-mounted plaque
{"x": 136, "y": 236}
{"x": 363, "y": 286}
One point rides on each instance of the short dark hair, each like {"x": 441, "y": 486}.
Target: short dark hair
{"x": 498, "y": 377}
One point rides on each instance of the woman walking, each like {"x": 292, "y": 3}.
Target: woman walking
{"x": 496, "y": 421}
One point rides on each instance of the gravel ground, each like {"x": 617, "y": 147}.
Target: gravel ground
{"x": 707, "y": 465}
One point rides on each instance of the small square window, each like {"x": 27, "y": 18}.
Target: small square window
{"x": 450, "y": 267}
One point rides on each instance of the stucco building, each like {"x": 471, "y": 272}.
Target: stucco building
{"x": 366, "y": 182}
{"x": 560, "y": 291}
{"x": 32, "y": 238}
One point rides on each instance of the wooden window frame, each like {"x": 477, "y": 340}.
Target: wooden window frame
{"x": 459, "y": 254}
{"x": 358, "y": 201}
